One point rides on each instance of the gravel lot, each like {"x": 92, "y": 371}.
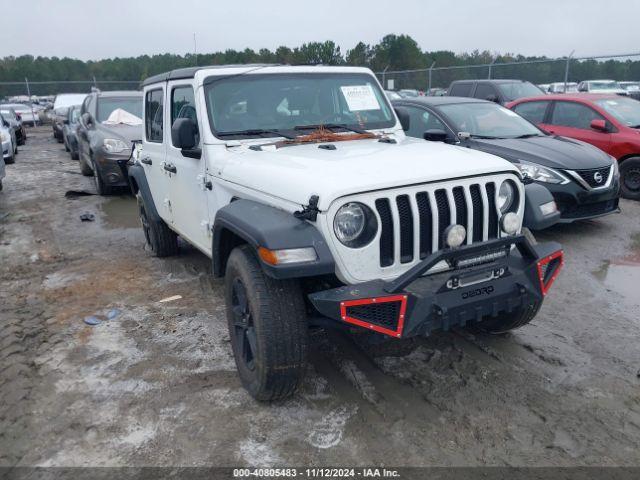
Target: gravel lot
{"x": 157, "y": 385}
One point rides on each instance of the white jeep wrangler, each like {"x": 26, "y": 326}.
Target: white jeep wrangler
{"x": 300, "y": 185}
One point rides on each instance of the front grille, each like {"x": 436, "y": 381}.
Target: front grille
{"x": 381, "y": 314}
{"x": 589, "y": 176}
{"x": 421, "y": 218}
{"x": 573, "y": 211}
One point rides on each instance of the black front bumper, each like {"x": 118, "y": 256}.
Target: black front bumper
{"x": 577, "y": 203}
{"x": 414, "y": 304}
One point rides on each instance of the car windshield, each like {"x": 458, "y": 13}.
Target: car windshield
{"x": 251, "y": 104}
{"x": 625, "y": 110}
{"x": 106, "y": 106}
{"x": 604, "y": 85}
{"x": 488, "y": 120}
{"x": 515, "y": 90}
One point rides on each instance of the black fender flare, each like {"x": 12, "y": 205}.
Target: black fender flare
{"x": 536, "y": 195}
{"x": 138, "y": 183}
{"x": 259, "y": 225}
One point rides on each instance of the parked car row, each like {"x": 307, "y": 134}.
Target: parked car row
{"x": 98, "y": 132}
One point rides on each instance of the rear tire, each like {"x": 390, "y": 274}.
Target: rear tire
{"x": 267, "y": 326}
{"x": 630, "y": 178}
{"x": 162, "y": 241}
{"x": 509, "y": 321}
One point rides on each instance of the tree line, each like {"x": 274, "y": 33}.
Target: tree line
{"x": 393, "y": 52}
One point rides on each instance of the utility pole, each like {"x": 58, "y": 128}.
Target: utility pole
{"x": 26, "y": 81}
{"x": 430, "y": 72}
{"x": 195, "y": 49}
{"x": 491, "y": 66}
{"x": 566, "y": 70}
{"x": 384, "y": 85}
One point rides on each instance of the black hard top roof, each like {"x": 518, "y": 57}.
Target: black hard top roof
{"x": 189, "y": 72}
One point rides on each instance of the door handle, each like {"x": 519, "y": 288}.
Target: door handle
{"x": 208, "y": 185}
{"x": 170, "y": 168}
{"x": 146, "y": 161}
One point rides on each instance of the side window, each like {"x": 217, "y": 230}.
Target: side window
{"x": 421, "y": 121}
{"x": 153, "y": 121}
{"x": 461, "y": 89}
{"x": 183, "y": 104}
{"x": 485, "y": 90}
{"x": 575, "y": 115}
{"x": 532, "y": 111}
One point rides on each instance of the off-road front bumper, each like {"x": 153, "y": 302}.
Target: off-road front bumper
{"x": 484, "y": 280}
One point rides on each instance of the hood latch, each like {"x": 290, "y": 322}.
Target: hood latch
{"x": 309, "y": 212}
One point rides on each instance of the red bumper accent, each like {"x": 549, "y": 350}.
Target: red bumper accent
{"x": 553, "y": 264}
{"x": 378, "y": 300}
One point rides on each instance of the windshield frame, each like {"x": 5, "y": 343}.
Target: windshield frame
{"x": 456, "y": 128}
{"x": 220, "y": 135}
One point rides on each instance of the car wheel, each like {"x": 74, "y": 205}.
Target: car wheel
{"x": 11, "y": 159}
{"x": 66, "y": 145}
{"x": 267, "y": 327}
{"x": 101, "y": 187}
{"x": 630, "y": 178}
{"x": 74, "y": 155}
{"x": 161, "y": 240}
{"x": 509, "y": 321}
{"x": 85, "y": 169}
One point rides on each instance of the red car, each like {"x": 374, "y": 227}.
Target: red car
{"x": 610, "y": 122}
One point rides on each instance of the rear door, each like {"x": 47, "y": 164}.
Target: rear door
{"x": 153, "y": 155}
{"x": 573, "y": 120}
{"x": 186, "y": 175}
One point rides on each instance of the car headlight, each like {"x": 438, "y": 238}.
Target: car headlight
{"x": 4, "y": 137}
{"x": 506, "y": 196}
{"x": 355, "y": 225}
{"x": 616, "y": 169}
{"x": 113, "y": 145}
{"x": 539, "y": 173}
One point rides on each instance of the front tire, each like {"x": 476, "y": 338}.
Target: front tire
{"x": 160, "y": 239}
{"x": 85, "y": 169}
{"x": 101, "y": 187}
{"x": 510, "y": 321}
{"x": 630, "y": 178}
{"x": 267, "y": 326}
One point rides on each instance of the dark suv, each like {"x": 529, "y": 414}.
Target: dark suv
{"x": 499, "y": 91}
{"x": 109, "y": 122}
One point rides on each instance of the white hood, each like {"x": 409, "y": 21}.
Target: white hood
{"x": 294, "y": 173}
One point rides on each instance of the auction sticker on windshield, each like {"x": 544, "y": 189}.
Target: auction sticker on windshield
{"x": 360, "y": 97}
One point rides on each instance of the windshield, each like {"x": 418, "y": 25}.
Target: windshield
{"x": 488, "y": 120}
{"x": 625, "y": 110}
{"x": 278, "y": 102}
{"x": 106, "y": 106}
{"x": 515, "y": 90}
{"x": 607, "y": 85}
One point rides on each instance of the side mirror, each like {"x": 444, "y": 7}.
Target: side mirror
{"x": 435, "y": 135}
{"x": 184, "y": 136}
{"x": 492, "y": 98}
{"x": 87, "y": 120}
{"x": 599, "y": 125}
{"x": 403, "y": 116}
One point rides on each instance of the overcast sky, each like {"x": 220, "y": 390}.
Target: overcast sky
{"x": 95, "y": 29}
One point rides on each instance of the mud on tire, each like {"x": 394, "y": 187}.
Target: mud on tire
{"x": 267, "y": 326}
{"x": 509, "y": 321}
{"x": 162, "y": 241}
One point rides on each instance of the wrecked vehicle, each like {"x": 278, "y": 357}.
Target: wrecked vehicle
{"x": 301, "y": 186}
{"x": 108, "y": 123}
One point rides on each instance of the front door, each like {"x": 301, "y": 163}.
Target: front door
{"x": 187, "y": 191}
{"x": 573, "y": 120}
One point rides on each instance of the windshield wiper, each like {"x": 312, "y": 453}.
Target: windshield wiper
{"x": 330, "y": 126}
{"x": 529, "y": 135}
{"x": 486, "y": 137}
{"x": 256, "y": 131}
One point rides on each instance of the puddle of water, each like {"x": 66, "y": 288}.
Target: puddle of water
{"x": 622, "y": 276}
{"x": 120, "y": 212}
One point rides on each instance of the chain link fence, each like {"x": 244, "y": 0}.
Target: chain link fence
{"x": 571, "y": 69}
{"x": 22, "y": 90}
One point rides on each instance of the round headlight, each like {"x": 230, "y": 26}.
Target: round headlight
{"x": 506, "y": 195}
{"x": 355, "y": 225}
{"x": 454, "y": 236}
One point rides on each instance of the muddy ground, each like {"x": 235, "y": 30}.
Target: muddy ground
{"x": 156, "y": 385}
